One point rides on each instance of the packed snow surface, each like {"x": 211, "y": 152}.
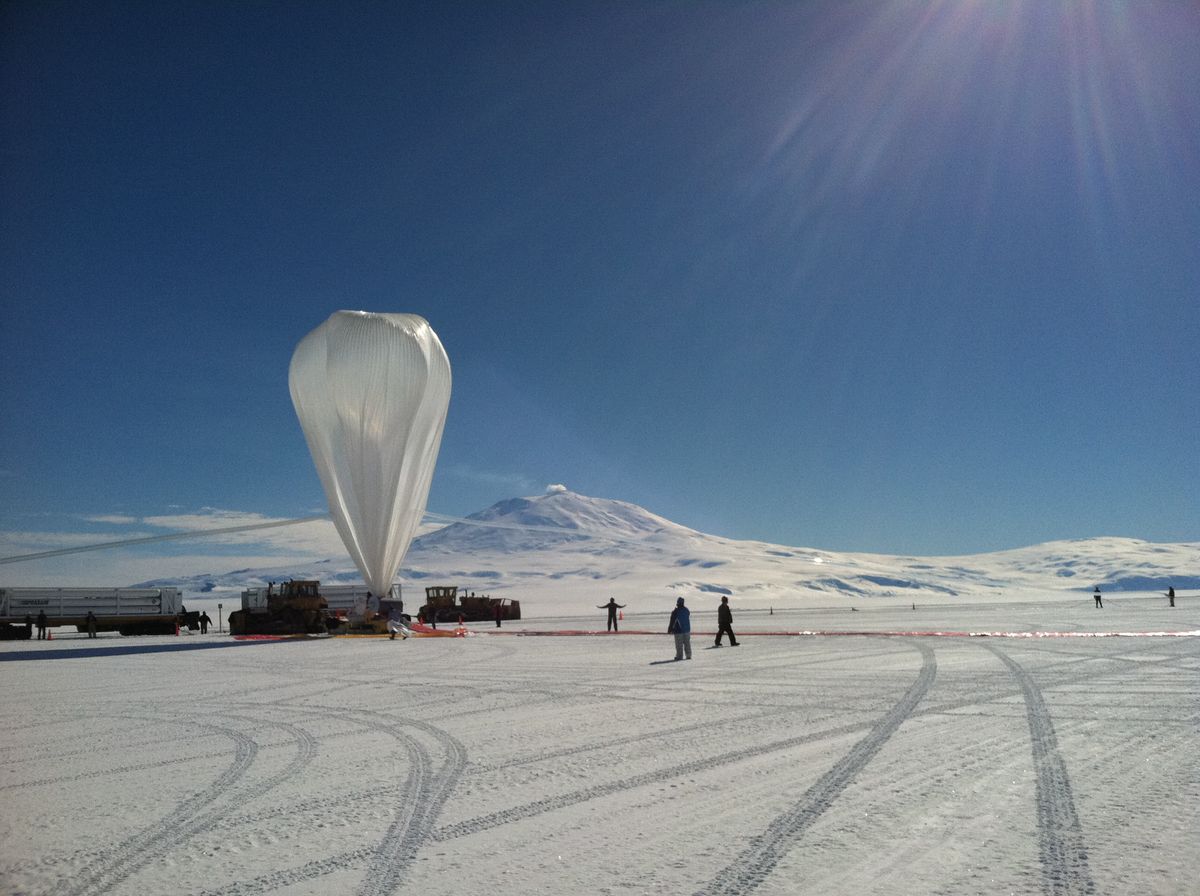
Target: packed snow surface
{"x": 857, "y": 741}
{"x": 508, "y": 764}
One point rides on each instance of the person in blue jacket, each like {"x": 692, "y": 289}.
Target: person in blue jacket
{"x": 681, "y": 627}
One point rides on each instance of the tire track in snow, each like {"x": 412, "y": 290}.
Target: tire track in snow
{"x": 880, "y": 731}
{"x": 424, "y": 794}
{"x": 140, "y": 849}
{"x": 192, "y": 818}
{"x": 563, "y": 800}
{"x": 759, "y": 859}
{"x": 611, "y": 743}
{"x": 411, "y": 829}
{"x": 317, "y": 804}
{"x": 1061, "y": 847}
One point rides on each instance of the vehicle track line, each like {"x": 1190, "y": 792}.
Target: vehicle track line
{"x": 759, "y": 859}
{"x": 425, "y": 793}
{"x": 196, "y": 817}
{"x": 140, "y": 849}
{"x": 413, "y": 824}
{"x": 560, "y": 801}
{"x": 1061, "y": 847}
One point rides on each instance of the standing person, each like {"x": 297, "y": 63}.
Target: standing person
{"x": 1171, "y": 595}
{"x": 1096, "y": 594}
{"x": 612, "y": 606}
{"x": 91, "y": 624}
{"x": 725, "y": 623}
{"x": 205, "y": 622}
{"x": 499, "y": 613}
{"x": 681, "y": 627}
{"x": 41, "y": 624}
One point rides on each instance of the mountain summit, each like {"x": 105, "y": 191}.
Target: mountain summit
{"x": 558, "y": 517}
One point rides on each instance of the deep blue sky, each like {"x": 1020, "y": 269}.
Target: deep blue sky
{"x": 908, "y": 277}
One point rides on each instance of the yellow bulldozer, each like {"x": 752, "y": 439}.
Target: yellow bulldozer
{"x": 294, "y": 608}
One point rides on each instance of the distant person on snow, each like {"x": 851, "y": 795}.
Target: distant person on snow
{"x": 1096, "y": 594}
{"x": 499, "y": 610}
{"x": 681, "y": 627}
{"x": 91, "y": 624}
{"x": 725, "y": 623}
{"x": 205, "y": 622}
{"x": 612, "y": 606}
{"x": 1171, "y": 595}
{"x": 41, "y": 624}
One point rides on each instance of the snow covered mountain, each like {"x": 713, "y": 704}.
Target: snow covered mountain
{"x": 564, "y": 552}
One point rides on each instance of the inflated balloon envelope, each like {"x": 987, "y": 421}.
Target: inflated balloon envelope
{"x": 371, "y": 391}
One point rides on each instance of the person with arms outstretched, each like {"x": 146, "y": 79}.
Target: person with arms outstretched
{"x": 612, "y": 606}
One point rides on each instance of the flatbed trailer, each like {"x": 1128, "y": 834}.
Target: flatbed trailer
{"x": 130, "y": 611}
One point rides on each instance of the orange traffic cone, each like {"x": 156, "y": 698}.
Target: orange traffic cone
{"x": 49, "y": 635}
{"x": 621, "y": 614}
{"x": 176, "y": 628}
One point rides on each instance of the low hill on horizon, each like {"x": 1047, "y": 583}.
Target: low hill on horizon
{"x": 564, "y": 550}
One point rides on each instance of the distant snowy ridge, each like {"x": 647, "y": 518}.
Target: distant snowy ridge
{"x": 560, "y": 550}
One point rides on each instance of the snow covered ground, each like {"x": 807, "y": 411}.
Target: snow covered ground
{"x": 502, "y": 764}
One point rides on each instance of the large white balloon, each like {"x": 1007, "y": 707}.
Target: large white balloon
{"x": 371, "y": 391}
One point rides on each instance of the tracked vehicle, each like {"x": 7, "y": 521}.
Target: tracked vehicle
{"x": 444, "y": 604}
{"x": 292, "y": 608}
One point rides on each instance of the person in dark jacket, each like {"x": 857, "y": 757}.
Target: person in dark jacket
{"x": 1096, "y": 595}
{"x": 681, "y": 627}
{"x": 41, "y": 625}
{"x": 725, "y": 623}
{"x": 612, "y": 606}
{"x": 90, "y": 619}
{"x": 205, "y": 622}
{"x": 1171, "y": 595}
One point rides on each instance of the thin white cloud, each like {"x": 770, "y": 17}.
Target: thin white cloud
{"x": 116, "y": 519}
{"x": 13, "y": 543}
{"x": 217, "y": 553}
{"x": 314, "y": 539}
{"x": 119, "y": 569}
{"x": 510, "y": 483}
{"x": 208, "y": 518}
